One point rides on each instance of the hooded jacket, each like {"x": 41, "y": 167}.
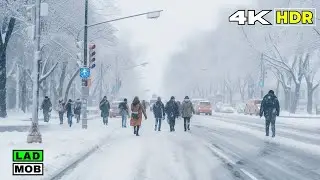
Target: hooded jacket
{"x": 158, "y": 109}
{"x": 187, "y": 109}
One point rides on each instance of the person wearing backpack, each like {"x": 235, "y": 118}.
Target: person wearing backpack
{"x": 172, "y": 111}
{"x": 77, "y": 109}
{"x": 159, "y": 113}
{"x": 105, "y": 109}
{"x": 270, "y": 108}
{"x": 124, "y": 111}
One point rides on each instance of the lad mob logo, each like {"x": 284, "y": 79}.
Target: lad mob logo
{"x": 281, "y": 17}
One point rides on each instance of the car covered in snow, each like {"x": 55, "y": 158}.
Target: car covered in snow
{"x": 253, "y": 107}
{"x": 227, "y": 108}
{"x": 240, "y": 107}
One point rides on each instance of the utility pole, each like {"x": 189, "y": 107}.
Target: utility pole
{"x": 85, "y": 88}
{"x": 101, "y": 81}
{"x": 262, "y": 75}
{"x": 34, "y": 135}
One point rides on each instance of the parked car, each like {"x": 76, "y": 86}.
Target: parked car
{"x": 227, "y": 108}
{"x": 253, "y": 107}
{"x": 114, "y": 109}
{"x": 218, "y": 106}
{"x": 203, "y": 107}
{"x": 241, "y": 107}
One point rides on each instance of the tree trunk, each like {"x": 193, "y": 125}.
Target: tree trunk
{"x": 286, "y": 99}
{"x": 230, "y": 97}
{"x": 310, "y": 96}
{"x": 3, "y": 62}
{"x": 24, "y": 93}
{"x": 69, "y": 84}
{"x": 3, "y": 82}
{"x": 17, "y": 89}
{"x": 277, "y": 89}
{"x": 295, "y": 99}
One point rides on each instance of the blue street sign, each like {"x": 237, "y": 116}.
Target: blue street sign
{"x": 261, "y": 84}
{"x": 84, "y": 72}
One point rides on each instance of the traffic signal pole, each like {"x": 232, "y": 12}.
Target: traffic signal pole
{"x": 85, "y": 88}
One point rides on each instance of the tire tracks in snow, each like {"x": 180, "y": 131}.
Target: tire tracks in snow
{"x": 223, "y": 143}
{"x": 280, "y": 130}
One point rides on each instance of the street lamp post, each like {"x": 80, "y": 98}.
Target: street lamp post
{"x": 34, "y": 135}
{"x": 85, "y": 88}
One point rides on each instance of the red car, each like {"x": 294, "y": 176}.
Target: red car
{"x": 203, "y": 107}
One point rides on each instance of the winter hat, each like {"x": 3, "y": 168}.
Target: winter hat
{"x": 187, "y": 97}
{"x": 125, "y": 100}
{"x": 172, "y": 97}
{"x": 271, "y": 92}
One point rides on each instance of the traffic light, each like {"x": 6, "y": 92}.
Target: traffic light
{"x": 92, "y": 54}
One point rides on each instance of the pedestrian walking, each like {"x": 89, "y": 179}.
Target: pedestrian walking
{"x": 77, "y": 109}
{"x": 136, "y": 115}
{"x": 124, "y": 111}
{"x": 69, "y": 109}
{"x": 46, "y": 106}
{"x": 61, "y": 110}
{"x": 105, "y": 109}
{"x": 159, "y": 113}
{"x": 270, "y": 108}
{"x": 172, "y": 111}
{"x": 186, "y": 112}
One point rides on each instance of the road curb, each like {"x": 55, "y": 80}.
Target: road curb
{"x": 58, "y": 174}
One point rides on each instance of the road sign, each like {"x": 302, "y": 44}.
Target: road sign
{"x": 261, "y": 83}
{"x": 84, "y": 72}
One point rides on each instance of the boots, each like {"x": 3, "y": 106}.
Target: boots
{"x": 185, "y": 127}
{"x": 134, "y": 129}
{"x": 137, "y": 132}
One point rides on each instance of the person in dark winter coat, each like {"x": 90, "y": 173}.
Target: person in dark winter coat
{"x": 46, "y": 106}
{"x": 61, "y": 110}
{"x": 270, "y": 108}
{"x": 69, "y": 109}
{"x": 186, "y": 112}
{"x": 159, "y": 113}
{"x": 172, "y": 111}
{"x": 77, "y": 109}
{"x": 105, "y": 109}
{"x": 124, "y": 111}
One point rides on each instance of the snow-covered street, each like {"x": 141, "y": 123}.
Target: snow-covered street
{"x": 230, "y": 147}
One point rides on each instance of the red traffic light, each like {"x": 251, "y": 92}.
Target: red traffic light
{"x": 92, "y": 46}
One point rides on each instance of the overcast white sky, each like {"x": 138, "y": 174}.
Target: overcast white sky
{"x": 161, "y": 37}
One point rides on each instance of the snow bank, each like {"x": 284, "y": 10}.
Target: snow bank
{"x": 60, "y": 144}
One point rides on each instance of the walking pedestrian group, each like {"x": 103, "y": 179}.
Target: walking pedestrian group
{"x": 173, "y": 109}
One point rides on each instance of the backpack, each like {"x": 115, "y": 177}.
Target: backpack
{"x": 269, "y": 101}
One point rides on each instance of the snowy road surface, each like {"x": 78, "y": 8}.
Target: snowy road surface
{"x": 215, "y": 148}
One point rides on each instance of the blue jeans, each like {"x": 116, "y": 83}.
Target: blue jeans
{"x": 70, "y": 119}
{"x": 124, "y": 120}
{"x": 105, "y": 120}
{"x": 158, "y": 124}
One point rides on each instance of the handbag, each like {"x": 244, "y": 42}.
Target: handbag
{"x": 135, "y": 115}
